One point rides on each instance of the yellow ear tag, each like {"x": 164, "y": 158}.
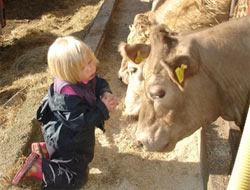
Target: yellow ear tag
{"x": 139, "y": 58}
{"x": 179, "y": 71}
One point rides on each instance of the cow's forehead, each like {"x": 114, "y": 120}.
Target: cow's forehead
{"x": 157, "y": 37}
{"x": 163, "y": 46}
{"x": 159, "y": 52}
{"x": 152, "y": 68}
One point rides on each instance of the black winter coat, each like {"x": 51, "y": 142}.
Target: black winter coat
{"x": 69, "y": 122}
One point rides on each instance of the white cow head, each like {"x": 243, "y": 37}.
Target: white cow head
{"x": 134, "y": 76}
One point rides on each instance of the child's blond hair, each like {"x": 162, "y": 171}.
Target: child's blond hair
{"x": 67, "y": 56}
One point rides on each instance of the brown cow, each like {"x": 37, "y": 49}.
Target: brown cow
{"x": 178, "y": 15}
{"x": 191, "y": 79}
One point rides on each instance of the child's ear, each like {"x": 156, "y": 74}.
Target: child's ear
{"x": 135, "y": 52}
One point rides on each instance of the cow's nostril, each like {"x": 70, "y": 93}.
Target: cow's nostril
{"x": 139, "y": 144}
{"x": 156, "y": 93}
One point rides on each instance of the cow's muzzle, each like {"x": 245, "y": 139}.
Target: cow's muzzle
{"x": 152, "y": 139}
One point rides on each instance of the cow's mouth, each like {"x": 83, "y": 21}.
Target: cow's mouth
{"x": 163, "y": 149}
{"x": 168, "y": 147}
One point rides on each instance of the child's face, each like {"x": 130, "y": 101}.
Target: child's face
{"x": 88, "y": 70}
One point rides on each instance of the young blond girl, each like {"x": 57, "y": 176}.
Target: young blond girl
{"x": 77, "y": 102}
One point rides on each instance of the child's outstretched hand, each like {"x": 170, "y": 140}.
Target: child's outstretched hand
{"x": 109, "y": 100}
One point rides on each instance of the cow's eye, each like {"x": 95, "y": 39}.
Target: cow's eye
{"x": 132, "y": 70}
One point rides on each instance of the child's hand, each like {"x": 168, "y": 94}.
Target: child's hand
{"x": 109, "y": 100}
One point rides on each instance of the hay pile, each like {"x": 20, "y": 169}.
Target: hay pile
{"x": 241, "y": 8}
{"x": 180, "y": 15}
{"x": 186, "y": 15}
{"x": 139, "y": 30}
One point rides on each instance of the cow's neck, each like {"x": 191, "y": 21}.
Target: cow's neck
{"x": 226, "y": 61}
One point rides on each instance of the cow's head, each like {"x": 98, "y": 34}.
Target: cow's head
{"x": 134, "y": 57}
{"x": 179, "y": 97}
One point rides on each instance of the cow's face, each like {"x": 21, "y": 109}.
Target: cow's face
{"x": 134, "y": 90}
{"x": 173, "y": 105}
{"x": 133, "y": 75}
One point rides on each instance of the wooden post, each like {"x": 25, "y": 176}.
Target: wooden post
{"x": 233, "y": 4}
{"x": 1, "y": 16}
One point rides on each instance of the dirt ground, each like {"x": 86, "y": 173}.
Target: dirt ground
{"x": 119, "y": 164}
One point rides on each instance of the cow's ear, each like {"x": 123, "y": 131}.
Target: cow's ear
{"x": 135, "y": 52}
{"x": 121, "y": 48}
{"x": 181, "y": 68}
